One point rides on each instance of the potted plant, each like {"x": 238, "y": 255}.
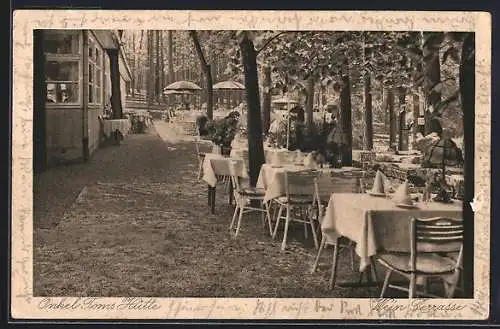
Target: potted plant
{"x": 223, "y": 133}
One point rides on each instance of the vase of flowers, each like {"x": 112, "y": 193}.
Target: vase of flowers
{"x": 223, "y": 132}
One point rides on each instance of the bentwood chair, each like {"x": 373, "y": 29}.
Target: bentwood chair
{"x": 436, "y": 246}
{"x": 335, "y": 183}
{"x": 299, "y": 195}
{"x": 200, "y": 155}
{"x": 243, "y": 196}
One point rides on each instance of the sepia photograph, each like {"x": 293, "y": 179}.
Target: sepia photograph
{"x": 261, "y": 164}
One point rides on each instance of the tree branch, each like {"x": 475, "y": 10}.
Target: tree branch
{"x": 199, "y": 51}
{"x": 269, "y": 41}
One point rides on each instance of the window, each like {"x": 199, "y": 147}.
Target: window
{"x": 62, "y": 66}
{"x": 95, "y": 72}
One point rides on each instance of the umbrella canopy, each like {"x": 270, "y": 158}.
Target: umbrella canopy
{"x": 177, "y": 92}
{"x": 183, "y": 85}
{"x": 228, "y": 85}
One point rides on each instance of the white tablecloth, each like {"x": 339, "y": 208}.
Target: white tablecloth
{"x": 272, "y": 178}
{"x": 110, "y": 126}
{"x": 217, "y": 165}
{"x": 376, "y": 223}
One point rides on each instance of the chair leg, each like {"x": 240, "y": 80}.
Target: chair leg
{"x": 268, "y": 216}
{"x": 386, "y": 283}
{"x": 239, "y": 222}
{"x": 333, "y": 275}
{"x": 413, "y": 286}
{"x": 285, "y": 233}
{"x": 234, "y": 217}
{"x": 277, "y": 221}
{"x": 315, "y": 237}
{"x": 200, "y": 171}
{"x": 320, "y": 251}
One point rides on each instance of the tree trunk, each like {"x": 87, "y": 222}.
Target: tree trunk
{"x": 346, "y": 120}
{"x": 116, "y": 100}
{"x": 208, "y": 73}
{"x": 157, "y": 65}
{"x": 416, "y": 112}
{"x": 40, "y": 96}
{"x": 266, "y": 100}
{"x": 134, "y": 64}
{"x": 467, "y": 94}
{"x": 385, "y": 110}
{"x": 392, "y": 119}
{"x": 170, "y": 57}
{"x": 149, "y": 81}
{"x": 255, "y": 144}
{"x": 310, "y": 103}
{"x": 432, "y": 74}
{"x": 368, "y": 133}
{"x": 403, "y": 129}
{"x": 162, "y": 68}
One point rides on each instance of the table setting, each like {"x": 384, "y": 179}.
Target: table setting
{"x": 380, "y": 218}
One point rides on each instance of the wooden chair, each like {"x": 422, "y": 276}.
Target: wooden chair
{"x": 244, "y": 196}
{"x": 299, "y": 194}
{"x": 436, "y": 246}
{"x": 200, "y": 155}
{"x": 336, "y": 183}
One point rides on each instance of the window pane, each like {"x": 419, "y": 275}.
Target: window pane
{"x": 61, "y": 71}
{"x": 62, "y": 93}
{"x": 97, "y": 95}
{"x": 91, "y": 48}
{"x": 97, "y": 57}
{"x": 61, "y": 42}
{"x": 91, "y": 94}
{"x": 91, "y": 73}
{"x": 98, "y": 77}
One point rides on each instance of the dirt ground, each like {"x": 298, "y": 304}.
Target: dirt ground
{"x": 134, "y": 221}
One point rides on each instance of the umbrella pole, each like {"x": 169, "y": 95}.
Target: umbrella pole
{"x": 288, "y": 126}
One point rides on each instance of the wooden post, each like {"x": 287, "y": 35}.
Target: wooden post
{"x": 392, "y": 119}
{"x": 116, "y": 101}
{"x": 85, "y": 100}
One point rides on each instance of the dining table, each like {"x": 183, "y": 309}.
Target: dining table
{"x": 110, "y": 126}
{"x": 272, "y": 177}
{"x": 377, "y": 223}
{"x": 216, "y": 165}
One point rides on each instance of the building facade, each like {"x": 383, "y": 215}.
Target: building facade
{"x": 72, "y": 89}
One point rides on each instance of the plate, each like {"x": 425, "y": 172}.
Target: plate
{"x": 407, "y": 206}
{"x": 377, "y": 194}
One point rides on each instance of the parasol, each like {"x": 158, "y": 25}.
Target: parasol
{"x": 228, "y": 85}
{"x": 177, "y": 92}
{"x": 182, "y": 86}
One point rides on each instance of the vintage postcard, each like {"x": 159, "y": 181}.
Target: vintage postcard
{"x": 250, "y": 165}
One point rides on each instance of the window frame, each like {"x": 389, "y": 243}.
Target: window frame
{"x": 69, "y": 57}
{"x": 95, "y": 68}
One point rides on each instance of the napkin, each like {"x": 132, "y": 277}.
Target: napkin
{"x": 402, "y": 194}
{"x": 310, "y": 161}
{"x": 379, "y": 183}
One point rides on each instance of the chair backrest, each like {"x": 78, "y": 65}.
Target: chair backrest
{"x": 301, "y": 183}
{"x": 236, "y": 168}
{"x": 435, "y": 235}
{"x": 339, "y": 183}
